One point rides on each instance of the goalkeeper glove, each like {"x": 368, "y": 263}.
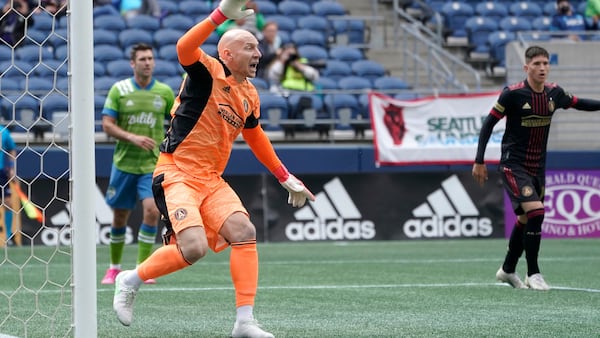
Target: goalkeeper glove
{"x": 298, "y": 193}
{"x": 230, "y": 9}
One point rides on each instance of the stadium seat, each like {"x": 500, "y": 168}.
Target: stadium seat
{"x": 541, "y": 24}
{"x": 6, "y": 53}
{"x": 174, "y": 82}
{"x": 106, "y": 53}
{"x": 283, "y": 22}
{"x": 62, "y": 52}
{"x": 58, "y": 38}
{"x": 54, "y": 102}
{"x": 105, "y": 10}
{"x": 210, "y": 49}
{"x": 316, "y": 55}
{"x": 105, "y": 37}
{"x": 17, "y": 70}
{"x": 478, "y": 29}
{"x": 455, "y": 14}
{"x": 343, "y": 108}
{"x": 195, "y": 8}
{"x": 259, "y": 83}
{"x": 115, "y": 23}
{"x": 346, "y": 53}
{"x": 43, "y": 21}
{"x": 165, "y": 69}
{"x": 266, "y": 7}
{"x": 178, "y": 21}
{"x": 119, "y": 68}
{"x": 25, "y": 111}
{"x": 355, "y": 84}
{"x": 48, "y": 68}
{"x": 166, "y": 36}
{"x": 325, "y": 83}
{"x": 390, "y": 83}
{"x": 98, "y": 106}
{"x": 515, "y": 24}
{"x": 549, "y": 8}
{"x": 309, "y": 117}
{"x": 168, "y": 52}
{"x": 33, "y": 53}
{"x": 315, "y": 23}
{"x": 294, "y": 9}
{"x": 351, "y": 32}
{"x": 133, "y": 36}
{"x": 336, "y": 69}
{"x": 493, "y": 10}
{"x": 213, "y": 38}
{"x": 274, "y": 108}
{"x": 38, "y": 86}
{"x": 36, "y": 37}
{"x": 144, "y": 22}
{"x": 326, "y": 8}
{"x": 62, "y": 85}
{"x": 168, "y": 7}
{"x": 526, "y": 9}
{"x": 102, "y": 84}
{"x": 368, "y": 69}
{"x": 8, "y": 86}
{"x": 302, "y": 37}
{"x": 498, "y": 41}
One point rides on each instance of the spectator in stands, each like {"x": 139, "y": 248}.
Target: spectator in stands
{"x": 253, "y": 23}
{"x": 202, "y": 212}
{"x": 131, "y": 8}
{"x": 269, "y": 46}
{"x": 8, "y": 154}
{"x": 290, "y": 71}
{"x": 57, "y": 8}
{"x": 592, "y": 12}
{"x": 15, "y": 16}
{"x": 528, "y": 107}
{"x": 134, "y": 114}
{"x": 567, "y": 20}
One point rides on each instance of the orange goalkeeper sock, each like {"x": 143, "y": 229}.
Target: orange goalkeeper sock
{"x": 243, "y": 264}
{"x": 163, "y": 261}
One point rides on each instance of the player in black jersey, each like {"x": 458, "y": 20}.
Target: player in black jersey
{"x": 528, "y": 107}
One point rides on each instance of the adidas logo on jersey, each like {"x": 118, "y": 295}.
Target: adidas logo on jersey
{"x": 332, "y": 216}
{"x": 448, "y": 212}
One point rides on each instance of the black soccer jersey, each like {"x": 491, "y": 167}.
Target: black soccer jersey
{"x": 528, "y": 117}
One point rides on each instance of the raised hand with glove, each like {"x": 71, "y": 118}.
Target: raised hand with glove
{"x": 298, "y": 193}
{"x": 230, "y": 9}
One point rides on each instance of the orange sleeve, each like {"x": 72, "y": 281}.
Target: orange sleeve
{"x": 262, "y": 148}
{"x": 187, "y": 45}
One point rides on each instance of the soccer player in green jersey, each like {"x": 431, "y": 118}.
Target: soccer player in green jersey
{"x": 134, "y": 113}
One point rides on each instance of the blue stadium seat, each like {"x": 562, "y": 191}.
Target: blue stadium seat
{"x": 498, "y": 41}
{"x": 43, "y": 21}
{"x": 346, "y": 53}
{"x": 105, "y": 10}
{"x": 492, "y": 10}
{"x": 549, "y": 8}
{"x": 355, "y": 84}
{"x": 48, "y": 68}
{"x": 99, "y": 69}
{"x": 23, "y": 109}
{"x": 144, "y": 22}
{"x": 168, "y": 52}
{"x": 314, "y": 22}
{"x": 342, "y": 107}
{"x": 174, "y": 82}
{"x": 274, "y": 108}
{"x": 165, "y": 69}
{"x": 210, "y": 49}
{"x": 310, "y": 117}
{"x": 33, "y": 53}
{"x": 213, "y": 38}
{"x": 58, "y": 38}
{"x": 168, "y": 7}
{"x": 368, "y": 69}
{"x": 9, "y": 86}
{"x": 390, "y": 83}
{"x": 119, "y": 68}
{"x": 54, "y": 102}
{"x": 105, "y": 37}
{"x": 259, "y": 83}
{"x": 515, "y": 24}
{"x": 526, "y": 9}
{"x": 98, "y": 106}
{"x": 541, "y": 24}
{"x": 133, "y": 36}
{"x": 455, "y": 14}
{"x": 62, "y": 85}
{"x": 114, "y": 23}
{"x": 6, "y": 53}
{"x": 38, "y": 86}
{"x": 178, "y": 21}
{"x": 36, "y": 36}
{"x": 294, "y": 9}
{"x": 336, "y": 69}
{"x": 301, "y": 37}
{"x": 266, "y": 7}
{"x": 167, "y": 36}
{"x": 478, "y": 29}
{"x": 102, "y": 84}
{"x": 106, "y": 53}
{"x": 62, "y": 52}
{"x": 326, "y": 8}
{"x": 354, "y": 30}
{"x": 325, "y": 83}
{"x": 314, "y": 54}
{"x": 283, "y": 22}
{"x": 195, "y": 8}
{"x": 17, "y": 70}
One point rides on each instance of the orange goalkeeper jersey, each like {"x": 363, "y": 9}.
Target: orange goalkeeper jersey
{"x": 209, "y": 113}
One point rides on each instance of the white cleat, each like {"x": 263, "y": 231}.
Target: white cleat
{"x": 537, "y": 282}
{"x": 249, "y": 329}
{"x": 511, "y": 278}
{"x": 123, "y": 300}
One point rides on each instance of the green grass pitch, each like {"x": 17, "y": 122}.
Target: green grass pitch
{"x": 352, "y": 289}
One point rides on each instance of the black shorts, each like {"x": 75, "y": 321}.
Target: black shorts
{"x": 522, "y": 186}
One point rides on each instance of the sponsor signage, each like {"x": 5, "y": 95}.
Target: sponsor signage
{"x": 572, "y": 205}
{"x": 350, "y": 207}
{"x": 433, "y": 130}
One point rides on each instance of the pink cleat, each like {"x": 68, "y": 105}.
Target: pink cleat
{"x": 110, "y": 275}
{"x": 150, "y": 281}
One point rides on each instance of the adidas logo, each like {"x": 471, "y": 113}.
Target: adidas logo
{"x": 448, "y": 212}
{"x": 332, "y": 216}
{"x": 526, "y": 106}
{"x": 227, "y": 89}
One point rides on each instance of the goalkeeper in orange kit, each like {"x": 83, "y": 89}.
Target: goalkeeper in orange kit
{"x": 215, "y": 104}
